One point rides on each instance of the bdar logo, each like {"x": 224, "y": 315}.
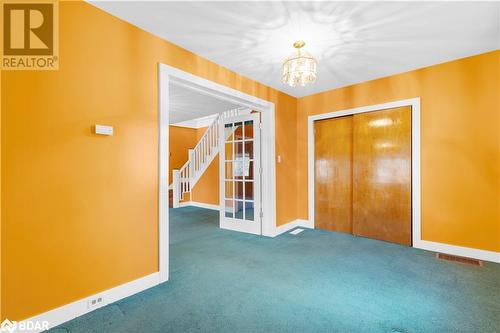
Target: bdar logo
{"x": 30, "y": 35}
{"x": 8, "y": 326}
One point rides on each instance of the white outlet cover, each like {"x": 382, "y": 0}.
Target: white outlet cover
{"x": 93, "y": 303}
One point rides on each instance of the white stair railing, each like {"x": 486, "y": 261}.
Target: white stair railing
{"x": 200, "y": 157}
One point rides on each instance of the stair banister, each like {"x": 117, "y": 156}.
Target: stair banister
{"x": 175, "y": 188}
{"x": 191, "y": 164}
{"x": 200, "y": 157}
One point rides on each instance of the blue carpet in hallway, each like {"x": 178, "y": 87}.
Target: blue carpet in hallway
{"x": 317, "y": 281}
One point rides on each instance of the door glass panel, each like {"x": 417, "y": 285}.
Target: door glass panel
{"x": 238, "y": 175}
{"x": 249, "y": 215}
{"x": 229, "y": 208}
{"x": 228, "y": 130}
{"x": 238, "y": 190}
{"x": 228, "y": 191}
{"x": 229, "y": 170}
{"x": 238, "y": 132}
{"x": 248, "y": 129}
{"x": 249, "y": 149}
{"x": 239, "y": 210}
{"x": 241, "y": 168}
{"x": 248, "y": 190}
{"x": 238, "y": 149}
{"x": 249, "y": 175}
{"x": 229, "y": 151}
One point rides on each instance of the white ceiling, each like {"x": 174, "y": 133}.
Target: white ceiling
{"x": 352, "y": 41}
{"x": 188, "y": 104}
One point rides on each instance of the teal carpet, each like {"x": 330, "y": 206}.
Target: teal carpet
{"x": 317, "y": 281}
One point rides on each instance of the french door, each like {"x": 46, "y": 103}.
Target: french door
{"x": 240, "y": 174}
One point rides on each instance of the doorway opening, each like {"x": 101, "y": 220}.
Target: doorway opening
{"x": 221, "y": 117}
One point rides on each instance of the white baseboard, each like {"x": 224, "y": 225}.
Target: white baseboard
{"x": 422, "y": 244}
{"x": 78, "y": 308}
{"x": 199, "y": 204}
{"x": 292, "y": 225}
{"x": 305, "y": 224}
{"x": 458, "y": 250}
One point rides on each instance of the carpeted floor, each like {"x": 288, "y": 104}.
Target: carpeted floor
{"x": 317, "y": 281}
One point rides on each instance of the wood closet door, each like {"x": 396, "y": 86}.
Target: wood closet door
{"x": 333, "y": 174}
{"x": 382, "y": 175}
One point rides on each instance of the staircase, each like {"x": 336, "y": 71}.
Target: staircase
{"x": 200, "y": 157}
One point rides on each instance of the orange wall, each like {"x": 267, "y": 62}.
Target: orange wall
{"x": 87, "y": 205}
{"x": 181, "y": 139}
{"x": 207, "y": 187}
{"x": 460, "y": 162}
{"x": 82, "y": 209}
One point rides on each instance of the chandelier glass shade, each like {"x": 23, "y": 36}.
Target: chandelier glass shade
{"x": 299, "y": 69}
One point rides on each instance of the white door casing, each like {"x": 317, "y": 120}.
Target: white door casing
{"x": 168, "y": 76}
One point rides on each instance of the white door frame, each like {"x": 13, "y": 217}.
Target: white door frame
{"x": 414, "y": 103}
{"x": 168, "y": 75}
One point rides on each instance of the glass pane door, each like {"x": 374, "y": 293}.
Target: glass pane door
{"x": 240, "y": 164}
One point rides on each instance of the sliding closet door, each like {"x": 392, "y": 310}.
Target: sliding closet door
{"x": 382, "y": 175}
{"x": 333, "y": 174}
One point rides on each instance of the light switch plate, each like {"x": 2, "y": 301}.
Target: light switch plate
{"x": 103, "y": 129}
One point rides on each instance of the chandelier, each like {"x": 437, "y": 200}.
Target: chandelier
{"x": 299, "y": 69}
